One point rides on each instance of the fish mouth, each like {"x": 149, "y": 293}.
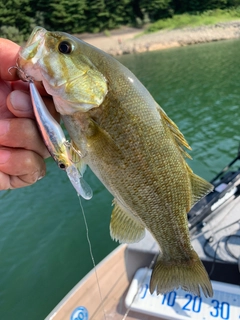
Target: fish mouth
{"x": 30, "y": 54}
{"x": 38, "y": 33}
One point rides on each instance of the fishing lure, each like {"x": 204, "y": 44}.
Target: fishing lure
{"x": 61, "y": 150}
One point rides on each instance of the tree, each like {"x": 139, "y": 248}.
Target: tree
{"x": 156, "y": 9}
{"x": 118, "y": 13}
{"x": 96, "y": 14}
{"x": 181, "y": 6}
{"x": 18, "y": 17}
{"x": 233, "y": 3}
{"x": 18, "y": 14}
{"x": 64, "y": 15}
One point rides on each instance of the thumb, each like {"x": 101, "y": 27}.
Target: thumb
{"x": 20, "y": 104}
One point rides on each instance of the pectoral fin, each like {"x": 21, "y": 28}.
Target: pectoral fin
{"x": 102, "y": 143}
{"x": 76, "y": 158}
{"x": 125, "y": 227}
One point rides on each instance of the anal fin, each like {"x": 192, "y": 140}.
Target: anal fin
{"x": 124, "y": 227}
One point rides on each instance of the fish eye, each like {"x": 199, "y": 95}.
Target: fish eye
{"x": 65, "y": 47}
{"x": 62, "y": 166}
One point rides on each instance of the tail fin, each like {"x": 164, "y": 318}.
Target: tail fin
{"x": 189, "y": 274}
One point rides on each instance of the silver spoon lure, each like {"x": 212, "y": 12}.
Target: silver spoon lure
{"x": 59, "y": 148}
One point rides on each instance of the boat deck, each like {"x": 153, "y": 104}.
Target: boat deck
{"x": 114, "y": 281}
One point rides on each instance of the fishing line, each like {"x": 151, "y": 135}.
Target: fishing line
{"x": 92, "y": 257}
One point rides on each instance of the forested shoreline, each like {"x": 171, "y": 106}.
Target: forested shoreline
{"x": 19, "y": 17}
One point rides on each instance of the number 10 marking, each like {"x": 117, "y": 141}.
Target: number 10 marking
{"x": 171, "y": 297}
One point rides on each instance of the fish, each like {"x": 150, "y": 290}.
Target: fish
{"x": 130, "y": 144}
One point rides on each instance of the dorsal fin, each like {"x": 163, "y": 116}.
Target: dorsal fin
{"x": 178, "y": 136}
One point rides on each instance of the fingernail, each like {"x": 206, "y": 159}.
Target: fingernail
{"x": 20, "y": 101}
{"x": 38, "y": 175}
{"x": 4, "y": 127}
{"x": 42, "y": 174}
{"x": 4, "y": 156}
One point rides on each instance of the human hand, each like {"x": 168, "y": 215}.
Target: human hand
{"x": 22, "y": 150}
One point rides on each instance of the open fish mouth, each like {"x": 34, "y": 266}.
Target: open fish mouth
{"x": 30, "y": 54}
{"x": 32, "y": 51}
{"x": 37, "y": 34}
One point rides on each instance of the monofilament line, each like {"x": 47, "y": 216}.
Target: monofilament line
{"x": 92, "y": 257}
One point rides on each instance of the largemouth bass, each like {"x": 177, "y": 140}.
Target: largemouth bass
{"x": 131, "y": 145}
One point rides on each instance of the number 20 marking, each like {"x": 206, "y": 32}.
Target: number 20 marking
{"x": 196, "y": 305}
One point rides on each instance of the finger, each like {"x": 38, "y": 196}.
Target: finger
{"x": 19, "y": 103}
{"x": 5, "y": 89}
{"x": 8, "y": 57}
{"x": 22, "y": 133}
{"x": 17, "y": 174}
{"x": 20, "y": 85}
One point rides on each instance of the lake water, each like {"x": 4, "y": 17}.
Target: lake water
{"x": 43, "y": 246}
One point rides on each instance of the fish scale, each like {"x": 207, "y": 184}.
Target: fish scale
{"x": 130, "y": 144}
